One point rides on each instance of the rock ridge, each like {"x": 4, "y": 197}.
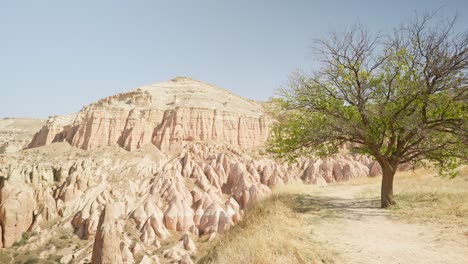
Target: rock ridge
{"x": 167, "y": 114}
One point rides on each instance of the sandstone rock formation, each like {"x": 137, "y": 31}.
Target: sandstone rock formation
{"x": 166, "y": 114}
{"x": 203, "y": 190}
{"x": 106, "y": 248}
{"x": 81, "y": 197}
{"x": 16, "y": 211}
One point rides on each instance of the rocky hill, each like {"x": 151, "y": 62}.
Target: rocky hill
{"x": 16, "y": 133}
{"x": 166, "y": 114}
{"x": 77, "y": 195}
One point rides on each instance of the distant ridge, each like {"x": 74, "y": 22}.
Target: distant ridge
{"x": 166, "y": 114}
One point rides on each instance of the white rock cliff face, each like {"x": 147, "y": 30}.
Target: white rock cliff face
{"x": 166, "y": 114}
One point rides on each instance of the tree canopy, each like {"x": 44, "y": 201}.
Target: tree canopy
{"x": 399, "y": 97}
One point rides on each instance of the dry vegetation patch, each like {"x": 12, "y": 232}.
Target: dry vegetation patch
{"x": 422, "y": 196}
{"x": 273, "y": 231}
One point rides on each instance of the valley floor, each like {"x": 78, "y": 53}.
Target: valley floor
{"x": 342, "y": 223}
{"x": 360, "y": 232}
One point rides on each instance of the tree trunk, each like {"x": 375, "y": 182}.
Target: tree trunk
{"x": 386, "y": 192}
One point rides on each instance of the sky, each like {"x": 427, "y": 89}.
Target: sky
{"x": 58, "y": 56}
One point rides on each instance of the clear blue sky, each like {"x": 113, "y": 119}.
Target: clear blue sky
{"x": 57, "y": 56}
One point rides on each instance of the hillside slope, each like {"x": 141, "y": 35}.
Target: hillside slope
{"x": 16, "y": 133}
{"x": 167, "y": 114}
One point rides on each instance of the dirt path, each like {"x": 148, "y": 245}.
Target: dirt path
{"x": 363, "y": 233}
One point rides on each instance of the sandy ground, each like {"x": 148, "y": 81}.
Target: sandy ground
{"x": 363, "y": 233}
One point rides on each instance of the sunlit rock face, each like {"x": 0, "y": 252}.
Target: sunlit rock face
{"x": 154, "y": 196}
{"x": 166, "y": 114}
{"x": 194, "y": 167}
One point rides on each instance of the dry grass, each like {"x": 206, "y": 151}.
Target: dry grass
{"x": 424, "y": 197}
{"x": 271, "y": 232}
{"x": 5, "y": 257}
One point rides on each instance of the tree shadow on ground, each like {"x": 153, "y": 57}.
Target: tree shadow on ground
{"x": 337, "y": 207}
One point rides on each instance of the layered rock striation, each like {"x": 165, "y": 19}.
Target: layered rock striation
{"x": 166, "y": 114}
